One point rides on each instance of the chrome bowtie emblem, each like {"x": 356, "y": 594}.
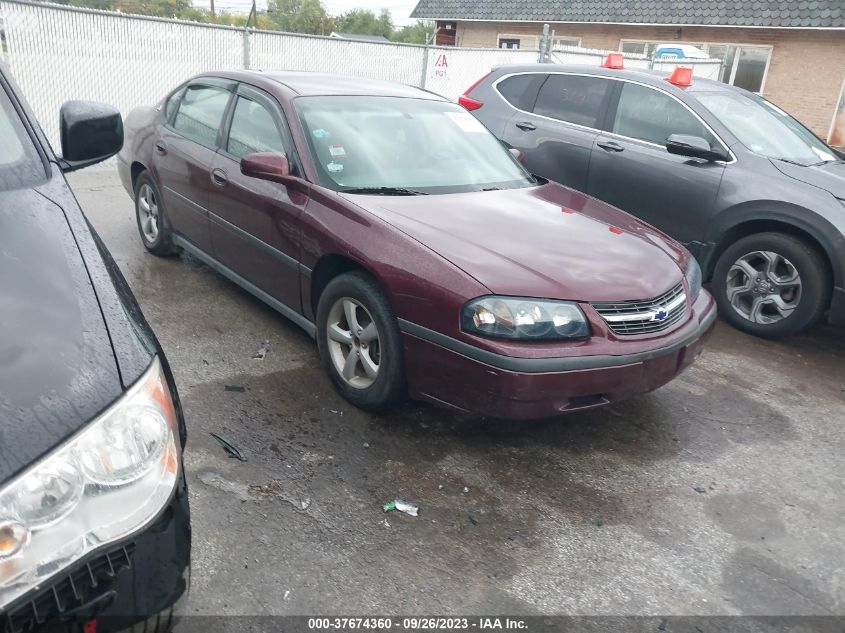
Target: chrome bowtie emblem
{"x": 659, "y": 315}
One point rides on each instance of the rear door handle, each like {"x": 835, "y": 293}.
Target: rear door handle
{"x": 526, "y": 126}
{"x": 610, "y": 146}
{"x": 161, "y": 148}
{"x": 219, "y": 177}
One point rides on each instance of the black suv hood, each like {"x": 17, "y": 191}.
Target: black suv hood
{"x": 57, "y": 366}
{"x": 829, "y": 176}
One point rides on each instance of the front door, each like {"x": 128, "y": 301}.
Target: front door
{"x": 632, "y": 169}
{"x": 183, "y": 154}
{"x": 255, "y": 223}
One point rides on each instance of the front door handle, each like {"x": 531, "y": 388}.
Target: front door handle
{"x": 161, "y": 148}
{"x": 610, "y": 146}
{"x": 219, "y": 177}
{"x": 526, "y": 126}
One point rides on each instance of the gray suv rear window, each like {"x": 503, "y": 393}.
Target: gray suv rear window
{"x": 573, "y": 98}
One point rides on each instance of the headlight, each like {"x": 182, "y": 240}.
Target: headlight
{"x": 524, "y": 319}
{"x": 107, "y": 482}
{"x": 693, "y": 276}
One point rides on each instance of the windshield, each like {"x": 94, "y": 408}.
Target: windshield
{"x": 766, "y": 129}
{"x": 402, "y": 146}
{"x": 20, "y": 165}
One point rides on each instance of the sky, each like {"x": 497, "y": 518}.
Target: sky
{"x": 399, "y": 9}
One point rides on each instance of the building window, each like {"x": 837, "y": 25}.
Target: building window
{"x": 560, "y": 42}
{"x": 743, "y": 66}
{"x": 532, "y": 42}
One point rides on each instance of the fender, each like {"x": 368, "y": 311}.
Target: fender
{"x": 727, "y": 227}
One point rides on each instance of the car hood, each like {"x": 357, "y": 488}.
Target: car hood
{"x": 57, "y": 367}
{"x": 830, "y": 176}
{"x": 547, "y": 241}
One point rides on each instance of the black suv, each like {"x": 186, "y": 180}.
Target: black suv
{"x": 94, "y": 521}
{"x": 756, "y": 196}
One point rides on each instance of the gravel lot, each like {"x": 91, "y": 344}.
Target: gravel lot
{"x": 721, "y": 493}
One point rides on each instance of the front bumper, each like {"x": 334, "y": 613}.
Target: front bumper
{"x": 120, "y": 585}
{"x": 457, "y": 377}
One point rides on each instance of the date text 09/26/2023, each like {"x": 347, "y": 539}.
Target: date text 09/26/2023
{"x": 420, "y": 623}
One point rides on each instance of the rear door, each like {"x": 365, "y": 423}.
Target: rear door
{"x": 631, "y": 168}
{"x": 558, "y": 132}
{"x": 183, "y": 154}
{"x": 255, "y": 223}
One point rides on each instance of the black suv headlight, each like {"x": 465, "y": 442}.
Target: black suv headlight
{"x": 523, "y": 318}
{"x": 107, "y": 482}
{"x": 693, "y": 276}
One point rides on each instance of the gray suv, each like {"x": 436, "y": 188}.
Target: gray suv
{"x": 755, "y": 196}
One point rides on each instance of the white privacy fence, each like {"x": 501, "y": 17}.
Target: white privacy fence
{"x": 58, "y": 53}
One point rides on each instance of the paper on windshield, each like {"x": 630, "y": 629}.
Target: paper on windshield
{"x": 466, "y": 122}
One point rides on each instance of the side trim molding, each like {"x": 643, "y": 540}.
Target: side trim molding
{"x": 248, "y": 237}
{"x": 227, "y": 272}
{"x": 549, "y": 365}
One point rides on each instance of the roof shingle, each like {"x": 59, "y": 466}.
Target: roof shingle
{"x": 761, "y": 13}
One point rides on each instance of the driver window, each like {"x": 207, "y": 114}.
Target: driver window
{"x": 253, "y": 130}
{"x": 653, "y": 116}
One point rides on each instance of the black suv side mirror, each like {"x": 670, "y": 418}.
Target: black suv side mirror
{"x": 694, "y": 147}
{"x": 91, "y": 132}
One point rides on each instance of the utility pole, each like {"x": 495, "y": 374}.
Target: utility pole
{"x": 213, "y": 15}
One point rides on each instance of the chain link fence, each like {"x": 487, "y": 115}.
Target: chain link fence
{"x": 57, "y": 53}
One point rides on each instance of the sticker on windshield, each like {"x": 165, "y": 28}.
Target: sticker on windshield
{"x": 466, "y": 122}
{"x": 321, "y": 133}
{"x": 334, "y": 167}
{"x": 337, "y": 151}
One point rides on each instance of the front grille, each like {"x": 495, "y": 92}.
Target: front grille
{"x": 69, "y": 591}
{"x": 644, "y": 317}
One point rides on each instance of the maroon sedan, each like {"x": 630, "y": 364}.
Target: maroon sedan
{"x": 395, "y": 229}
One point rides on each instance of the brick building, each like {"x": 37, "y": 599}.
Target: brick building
{"x": 792, "y": 52}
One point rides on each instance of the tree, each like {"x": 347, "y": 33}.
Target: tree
{"x": 418, "y": 33}
{"x": 365, "y": 22}
{"x": 300, "y": 16}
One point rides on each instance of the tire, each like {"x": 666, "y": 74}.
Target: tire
{"x": 150, "y": 217}
{"x": 771, "y": 285}
{"x": 374, "y": 337}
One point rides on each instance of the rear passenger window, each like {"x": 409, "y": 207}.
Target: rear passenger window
{"x": 201, "y": 112}
{"x": 653, "y": 116}
{"x": 521, "y": 90}
{"x": 573, "y": 99}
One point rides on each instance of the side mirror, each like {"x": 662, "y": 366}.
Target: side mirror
{"x": 90, "y": 133}
{"x": 694, "y": 147}
{"x": 518, "y": 154}
{"x": 268, "y": 166}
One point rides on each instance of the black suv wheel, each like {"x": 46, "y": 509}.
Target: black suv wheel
{"x": 771, "y": 285}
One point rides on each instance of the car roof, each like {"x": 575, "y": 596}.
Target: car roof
{"x": 655, "y": 78}
{"x": 315, "y": 83}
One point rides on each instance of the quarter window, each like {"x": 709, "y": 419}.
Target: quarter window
{"x": 253, "y": 129}
{"x": 201, "y": 112}
{"x": 653, "y": 116}
{"x": 171, "y": 104}
{"x": 520, "y": 90}
{"x": 573, "y": 98}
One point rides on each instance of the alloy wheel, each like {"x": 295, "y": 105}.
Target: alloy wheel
{"x": 763, "y": 287}
{"x": 354, "y": 343}
{"x": 148, "y": 213}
